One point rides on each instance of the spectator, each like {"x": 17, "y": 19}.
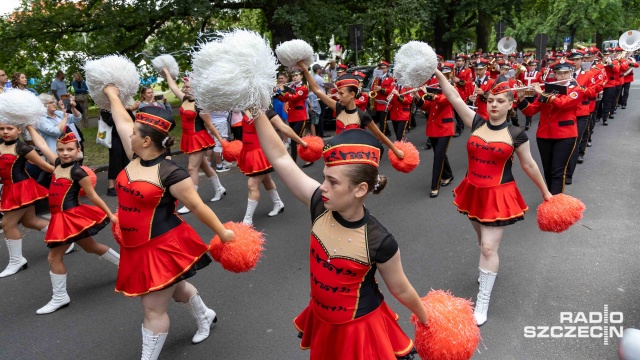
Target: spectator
{"x": 118, "y": 159}
{"x": 278, "y": 105}
{"x": 317, "y": 76}
{"x": 313, "y": 106}
{"x": 59, "y": 87}
{"x": 235, "y": 122}
{"x": 19, "y": 81}
{"x": 57, "y": 121}
{"x": 3, "y": 80}
{"x": 219, "y": 121}
{"x": 147, "y": 98}
{"x": 81, "y": 93}
{"x": 332, "y": 70}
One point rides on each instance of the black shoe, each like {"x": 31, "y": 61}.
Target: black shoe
{"x": 580, "y": 159}
{"x": 446, "y": 182}
{"x": 623, "y": 106}
{"x": 611, "y": 116}
{"x": 457, "y": 134}
{"x": 111, "y": 192}
{"x": 526, "y": 128}
{"x": 589, "y": 143}
{"x": 604, "y": 122}
{"x": 427, "y": 147}
{"x": 434, "y": 194}
{"x": 568, "y": 181}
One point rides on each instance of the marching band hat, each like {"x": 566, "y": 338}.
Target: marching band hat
{"x": 618, "y": 48}
{"x": 504, "y": 64}
{"x": 606, "y": 51}
{"x": 347, "y": 80}
{"x": 342, "y": 67}
{"x": 439, "y": 57}
{"x": 500, "y": 86}
{"x": 354, "y": 146}
{"x": 461, "y": 56}
{"x": 562, "y": 65}
{"x": 68, "y": 138}
{"x": 513, "y": 55}
{"x": 575, "y": 55}
{"x": 480, "y": 63}
{"x": 383, "y": 64}
{"x": 533, "y": 62}
{"x": 447, "y": 67}
{"x": 359, "y": 75}
{"x": 296, "y": 71}
{"x": 156, "y": 117}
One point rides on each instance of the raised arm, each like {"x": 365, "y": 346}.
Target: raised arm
{"x": 456, "y": 100}
{"x": 172, "y": 84}
{"x": 121, "y": 119}
{"x": 313, "y": 86}
{"x": 299, "y": 183}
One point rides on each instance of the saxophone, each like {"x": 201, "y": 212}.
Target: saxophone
{"x": 373, "y": 93}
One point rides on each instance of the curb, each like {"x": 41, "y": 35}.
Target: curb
{"x": 105, "y": 167}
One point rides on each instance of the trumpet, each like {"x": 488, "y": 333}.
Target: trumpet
{"x": 622, "y": 55}
{"x": 549, "y": 83}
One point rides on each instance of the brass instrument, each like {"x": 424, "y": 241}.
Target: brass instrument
{"x": 373, "y": 93}
{"x": 519, "y": 70}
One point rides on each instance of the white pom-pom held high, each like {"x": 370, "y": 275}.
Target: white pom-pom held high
{"x": 290, "y": 52}
{"x": 111, "y": 70}
{"x": 415, "y": 63}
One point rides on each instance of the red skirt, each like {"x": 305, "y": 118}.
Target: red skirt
{"x": 75, "y": 224}
{"x": 376, "y": 335}
{"x": 198, "y": 141}
{"x": 494, "y": 206}
{"x": 253, "y": 162}
{"x": 21, "y": 194}
{"x": 159, "y": 262}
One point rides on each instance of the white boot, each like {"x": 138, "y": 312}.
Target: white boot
{"x": 16, "y": 261}
{"x": 278, "y": 205}
{"x": 487, "y": 279}
{"x": 251, "y": 208}
{"x": 204, "y": 316}
{"x": 151, "y": 344}
{"x": 112, "y": 257}
{"x": 220, "y": 190}
{"x": 70, "y": 249}
{"x": 60, "y": 298}
{"x": 184, "y": 210}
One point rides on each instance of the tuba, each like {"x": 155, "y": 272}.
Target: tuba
{"x": 507, "y": 45}
{"x": 630, "y": 41}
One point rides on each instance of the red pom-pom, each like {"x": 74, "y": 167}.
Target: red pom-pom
{"x": 411, "y": 157}
{"x": 451, "y": 333}
{"x": 116, "y": 230}
{"x": 92, "y": 176}
{"x": 231, "y": 150}
{"x": 559, "y": 213}
{"x": 313, "y": 151}
{"x": 243, "y": 252}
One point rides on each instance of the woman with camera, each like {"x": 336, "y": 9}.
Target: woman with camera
{"x": 148, "y": 98}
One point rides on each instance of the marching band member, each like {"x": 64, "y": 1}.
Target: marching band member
{"x": 463, "y": 79}
{"x": 362, "y": 102}
{"x": 488, "y": 194}
{"x": 587, "y": 82}
{"x": 599, "y": 76}
{"x": 196, "y": 140}
{"x": 624, "y": 66}
{"x": 557, "y": 131}
{"x": 505, "y": 67}
{"x": 628, "y": 79}
{"x": 527, "y": 78}
{"x": 383, "y": 88}
{"x": 348, "y": 115}
{"x": 297, "y": 115}
{"x": 612, "y": 69}
{"x": 482, "y": 85}
{"x": 159, "y": 250}
{"x": 400, "y": 111}
{"x": 440, "y": 129}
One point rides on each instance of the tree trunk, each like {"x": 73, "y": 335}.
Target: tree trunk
{"x": 572, "y": 33}
{"x": 483, "y": 30}
{"x": 599, "y": 39}
{"x": 280, "y": 32}
{"x": 440, "y": 28}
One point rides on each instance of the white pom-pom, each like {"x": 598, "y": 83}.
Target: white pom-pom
{"x": 167, "y": 61}
{"x": 20, "y": 108}
{"x": 290, "y": 52}
{"x": 111, "y": 70}
{"x": 236, "y": 72}
{"x": 414, "y": 64}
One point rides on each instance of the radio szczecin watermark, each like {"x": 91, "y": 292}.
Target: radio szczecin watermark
{"x": 581, "y": 325}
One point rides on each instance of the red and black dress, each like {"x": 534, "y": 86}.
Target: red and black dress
{"x": 195, "y": 136}
{"x": 19, "y": 190}
{"x": 488, "y": 194}
{"x": 158, "y": 248}
{"x": 252, "y": 161}
{"x": 70, "y": 220}
{"x": 350, "y": 119}
{"x": 347, "y": 317}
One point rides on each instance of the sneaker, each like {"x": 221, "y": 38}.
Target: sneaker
{"x": 222, "y": 168}
{"x": 183, "y": 210}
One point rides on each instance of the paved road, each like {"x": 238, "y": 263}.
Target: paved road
{"x": 593, "y": 264}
